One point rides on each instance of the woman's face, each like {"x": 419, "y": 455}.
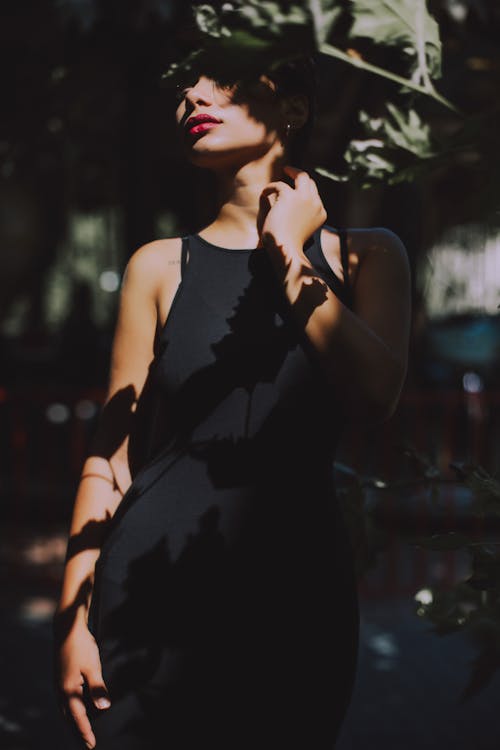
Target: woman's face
{"x": 250, "y": 121}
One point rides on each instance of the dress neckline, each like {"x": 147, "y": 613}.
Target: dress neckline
{"x": 234, "y": 251}
{"x": 237, "y": 250}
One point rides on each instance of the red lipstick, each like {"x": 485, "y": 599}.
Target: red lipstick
{"x": 200, "y": 123}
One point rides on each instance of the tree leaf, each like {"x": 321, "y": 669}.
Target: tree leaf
{"x": 209, "y": 22}
{"x": 324, "y": 14}
{"x": 241, "y": 39}
{"x": 393, "y": 150}
{"x": 331, "y": 175}
{"x": 405, "y": 24}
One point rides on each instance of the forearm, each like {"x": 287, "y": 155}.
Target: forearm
{"x": 356, "y": 362}
{"x": 97, "y": 498}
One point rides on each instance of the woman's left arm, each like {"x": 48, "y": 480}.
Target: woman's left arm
{"x": 363, "y": 351}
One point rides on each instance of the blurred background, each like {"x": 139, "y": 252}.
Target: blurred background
{"x": 90, "y": 170}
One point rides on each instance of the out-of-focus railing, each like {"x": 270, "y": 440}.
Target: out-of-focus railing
{"x": 444, "y": 425}
{"x": 441, "y": 427}
{"x": 44, "y": 435}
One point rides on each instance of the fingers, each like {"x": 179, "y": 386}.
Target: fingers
{"x": 295, "y": 172}
{"x": 301, "y": 178}
{"x": 97, "y": 688}
{"x": 304, "y": 182}
{"x": 74, "y": 704}
{"x": 75, "y": 707}
{"x": 271, "y": 193}
{"x": 275, "y": 187}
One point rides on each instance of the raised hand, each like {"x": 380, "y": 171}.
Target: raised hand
{"x": 288, "y": 215}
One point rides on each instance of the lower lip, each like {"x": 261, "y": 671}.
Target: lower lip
{"x": 202, "y": 127}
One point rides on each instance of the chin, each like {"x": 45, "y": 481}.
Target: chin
{"x": 213, "y": 157}
{"x": 210, "y": 161}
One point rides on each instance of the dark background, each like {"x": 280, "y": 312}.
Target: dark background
{"x": 90, "y": 169}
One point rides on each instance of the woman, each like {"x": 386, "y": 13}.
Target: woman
{"x": 223, "y": 607}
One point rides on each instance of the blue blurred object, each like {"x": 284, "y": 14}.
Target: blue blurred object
{"x": 467, "y": 341}
{"x": 461, "y": 347}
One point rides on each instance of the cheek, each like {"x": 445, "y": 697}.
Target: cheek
{"x": 179, "y": 110}
{"x": 178, "y": 113}
{"x": 250, "y": 129}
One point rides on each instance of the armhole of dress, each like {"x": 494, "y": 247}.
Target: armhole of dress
{"x": 160, "y": 336}
{"x": 343, "y": 283}
{"x": 184, "y": 256}
{"x": 182, "y": 282}
{"x": 344, "y": 258}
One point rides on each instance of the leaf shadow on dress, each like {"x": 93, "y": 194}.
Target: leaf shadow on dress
{"x": 234, "y": 630}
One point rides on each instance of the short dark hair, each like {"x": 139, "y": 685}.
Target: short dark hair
{"x": 298, "y": 76}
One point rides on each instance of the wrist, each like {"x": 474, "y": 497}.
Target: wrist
{"x": 287, "y": 257}
{"x": 286, "y": 246}
{"x": 69, "y": 619}
{"x": 72, "y": 610}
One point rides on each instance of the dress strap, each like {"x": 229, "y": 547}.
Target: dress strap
{"x": 184, "y": 254}
{"x": 342, "y": 287}
{"x": 344, "y": 257}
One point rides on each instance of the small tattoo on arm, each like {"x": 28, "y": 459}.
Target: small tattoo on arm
{"x": 173, "y": 262}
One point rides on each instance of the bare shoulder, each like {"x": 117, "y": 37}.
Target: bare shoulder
{"x": 384, "y": 255}
{"x": 153, "y": 260}
{"x": 362, "y": 243}
{"x": 157, "y": 268}
{"x": 384, "y": 241}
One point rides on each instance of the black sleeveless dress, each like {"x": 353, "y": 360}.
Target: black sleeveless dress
{"x": 225, "y": 605}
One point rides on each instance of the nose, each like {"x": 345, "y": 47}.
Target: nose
{"x": 201, "y": 92}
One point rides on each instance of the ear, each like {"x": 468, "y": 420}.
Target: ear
{"x": 295, "y": 110}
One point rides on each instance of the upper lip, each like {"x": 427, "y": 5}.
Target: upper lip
{"x": 195, "y": 119}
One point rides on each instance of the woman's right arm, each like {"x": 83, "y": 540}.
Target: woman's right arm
{"x": 105, "y": 477}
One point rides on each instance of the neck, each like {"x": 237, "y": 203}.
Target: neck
{"x": 237, "y": 199}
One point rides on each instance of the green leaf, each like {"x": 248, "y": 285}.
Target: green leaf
{"x": 178, "y": 70}
{"x": 246, "y": 37}
{"x": 404, "y": 131}
{"x": 391, "y": 142}
{"x": 405, "y": 24}
{"x": 269, "y": 20}
{"x": 209, "y": 22}
{"x": 270, "y": 17}
{"x": 409, "y": 132}
{"x": 242, "y": 39}
{"x": 324, "y": 14}
{"x": 331, "y": 175}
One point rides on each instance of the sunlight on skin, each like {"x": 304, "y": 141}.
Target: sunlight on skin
{"x": 246, "y": 152}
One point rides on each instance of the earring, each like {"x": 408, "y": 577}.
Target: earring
{"x": 288, "y": 128}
